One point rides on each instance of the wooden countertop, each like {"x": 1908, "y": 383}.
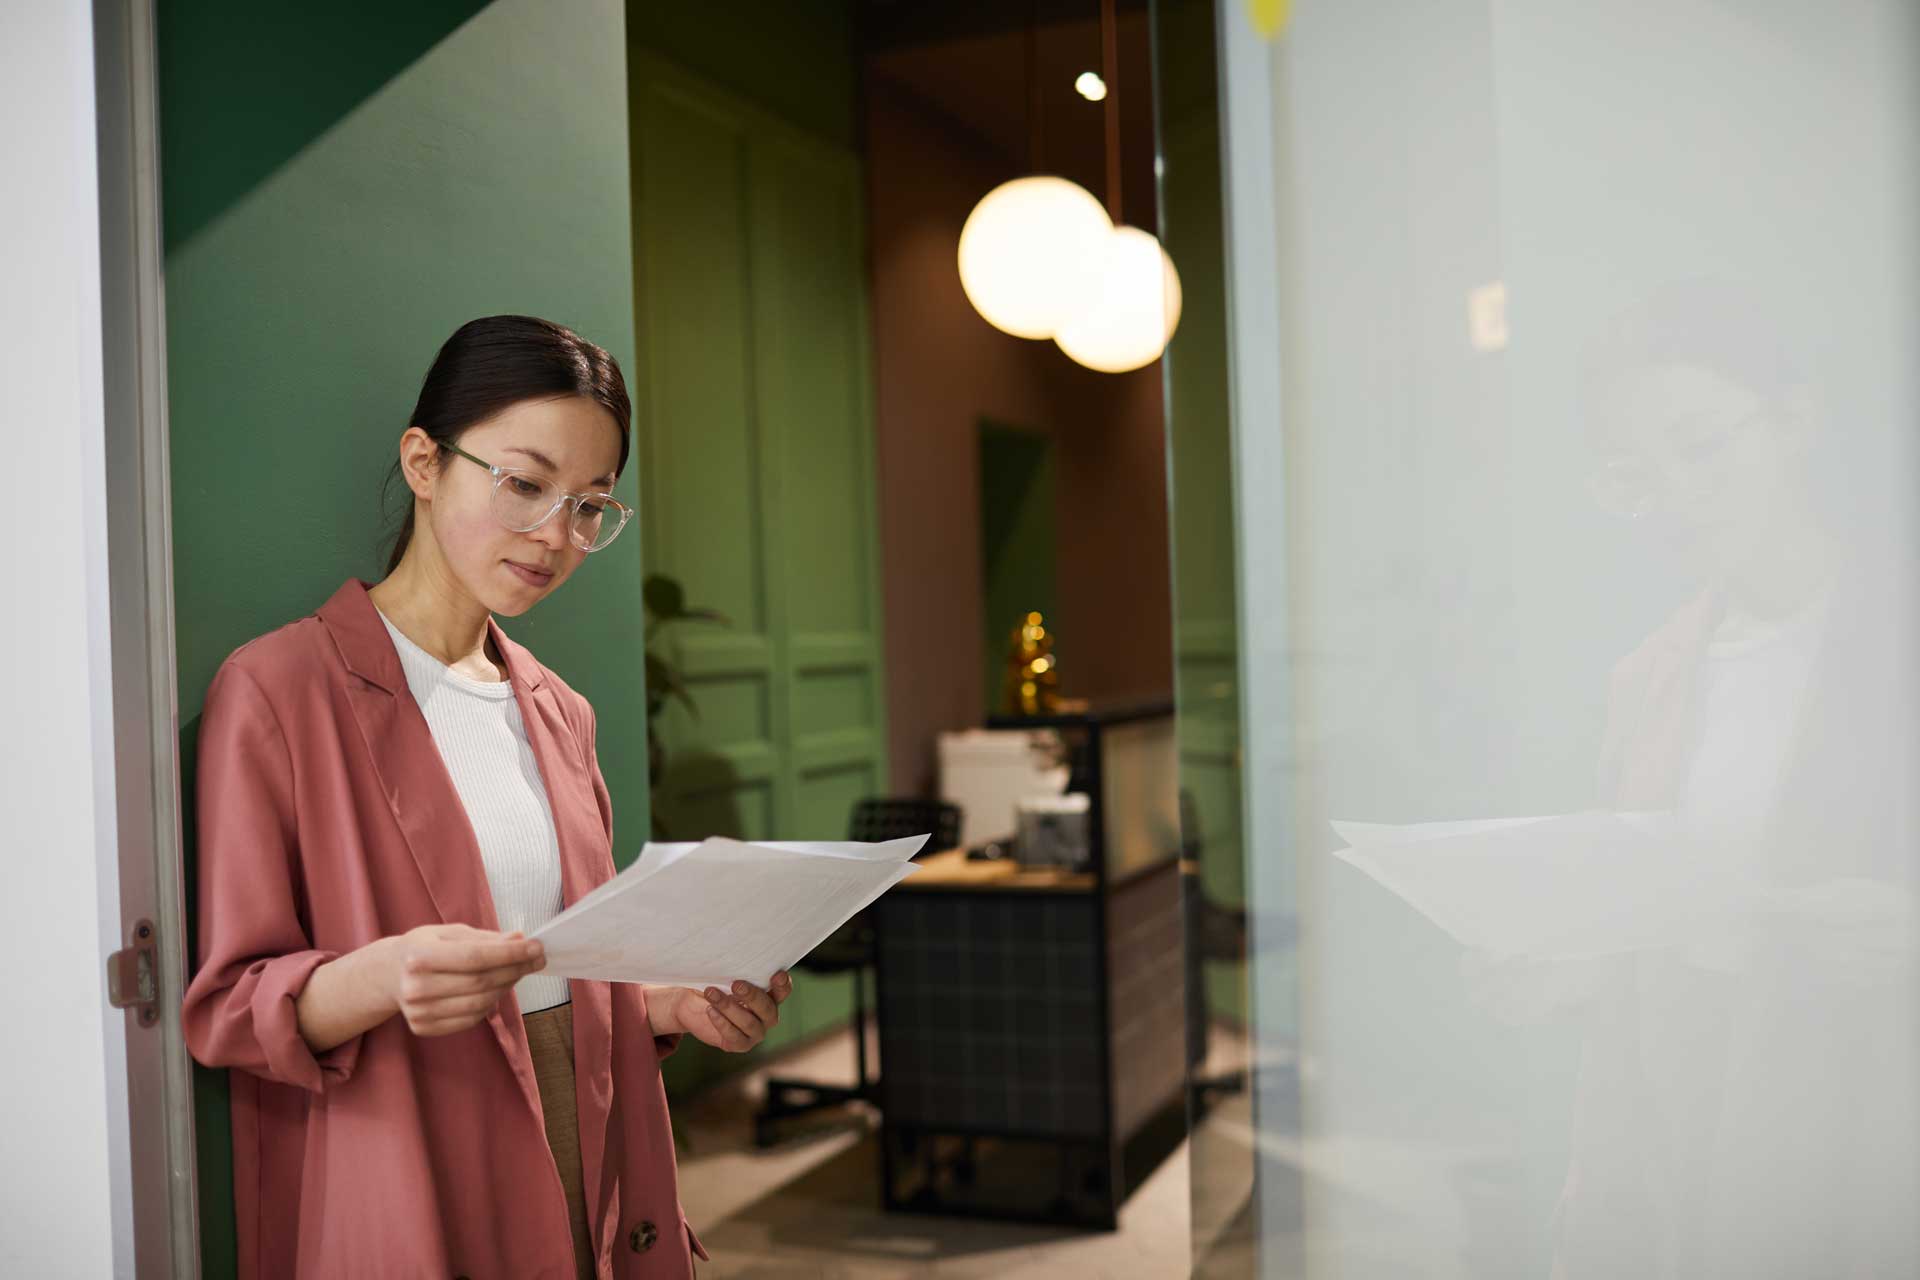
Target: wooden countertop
{"x": 949, "y": 870}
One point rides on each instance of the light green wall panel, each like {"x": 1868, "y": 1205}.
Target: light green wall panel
{"x": 344, "y": 186}
{"x": 829, "y": 700}
{"x": 703, "y": 452}
{"x": 758, "y": 467}
{"x": 825, "y": 794}
{"x": 810, "y": 331}
{"x": 699, "y": 424}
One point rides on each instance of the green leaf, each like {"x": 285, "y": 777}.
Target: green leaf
{"x": 664, "y": 597}
{"x": 664, "y": 682}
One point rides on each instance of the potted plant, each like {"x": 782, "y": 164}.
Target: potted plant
{"x": 665, "y": 601}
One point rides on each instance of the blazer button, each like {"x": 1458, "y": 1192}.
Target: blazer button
{"x": 644, "y": 1237}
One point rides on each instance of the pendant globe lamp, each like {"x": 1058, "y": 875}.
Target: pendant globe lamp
{"x": 1135, "y": 306}
{"x": 1126, "y": 319}
{"x": 1040, "y": 257}
{"x": 1030, "y": 251}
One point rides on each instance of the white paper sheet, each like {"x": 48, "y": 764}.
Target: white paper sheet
{"x": 701, "y": 915}
{"x": 1581, "y": 884}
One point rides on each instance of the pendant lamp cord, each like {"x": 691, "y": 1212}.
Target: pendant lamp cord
{"x": 1110, "y": 72}
{"x": 1036, "y": 109}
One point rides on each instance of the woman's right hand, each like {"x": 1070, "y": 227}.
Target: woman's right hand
{"x": 447, "y": 977}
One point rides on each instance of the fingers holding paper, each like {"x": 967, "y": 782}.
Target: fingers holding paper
{"x": 447, "y": 978}
{"x": 738, "y": 1020}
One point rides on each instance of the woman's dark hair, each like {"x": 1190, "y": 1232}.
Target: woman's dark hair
{"x": 1713, "y": 324}
{"x": 495, "y": 362}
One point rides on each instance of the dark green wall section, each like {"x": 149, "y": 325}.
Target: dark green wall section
{"x": 325, "y": 61}
{"x": 1018, "y": 553}
{"x": 1199, "y": 426}
{"x": 344, "y": 186}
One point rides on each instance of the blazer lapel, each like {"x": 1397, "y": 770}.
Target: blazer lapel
{"x": 421, "y": 794}
{"x": 418, "y": 788}
{"x": 586, "y": 861}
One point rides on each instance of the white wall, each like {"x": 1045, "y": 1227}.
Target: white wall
{"x": 63, "y": 1158}
{"x": 1679, "y": 1048}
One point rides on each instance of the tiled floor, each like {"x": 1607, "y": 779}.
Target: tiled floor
{"x": 811, "y": 1207}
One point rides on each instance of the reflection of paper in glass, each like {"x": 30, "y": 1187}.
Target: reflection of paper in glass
{"x": 1586, "y": 884}
{"x": 700, "y": 915}
{"x": 1369, "y": 835}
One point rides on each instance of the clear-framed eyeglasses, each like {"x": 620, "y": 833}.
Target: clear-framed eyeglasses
{"x": 1699, "y": 461}
{"x": 525, "y": 500}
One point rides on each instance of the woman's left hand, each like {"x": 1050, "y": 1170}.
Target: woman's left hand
{"x": 735, "y": 1021}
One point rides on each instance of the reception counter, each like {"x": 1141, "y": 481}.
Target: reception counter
{"x": 1031, "y": 1019}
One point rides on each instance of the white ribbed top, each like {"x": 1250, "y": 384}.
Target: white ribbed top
{"x": 477, "y": 726}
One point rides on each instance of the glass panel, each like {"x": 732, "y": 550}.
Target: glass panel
{"x": 1206, "y": 642}
{"x": 1575, "y": 445}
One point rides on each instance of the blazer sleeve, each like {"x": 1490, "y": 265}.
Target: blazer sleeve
{"x": 254, "y": 954}
{"x": 664, "y": 1045}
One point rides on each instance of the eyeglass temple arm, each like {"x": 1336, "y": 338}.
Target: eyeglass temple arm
{"x": 450, "y": 447}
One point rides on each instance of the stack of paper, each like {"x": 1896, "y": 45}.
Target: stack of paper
{"x": 704, "y": 915}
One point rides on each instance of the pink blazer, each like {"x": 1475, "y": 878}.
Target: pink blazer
{"x": 326, "y": 821}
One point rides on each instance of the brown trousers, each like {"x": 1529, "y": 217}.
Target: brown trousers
{"x": 550, "y": 1037}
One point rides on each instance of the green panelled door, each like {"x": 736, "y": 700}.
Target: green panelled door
{"x": 758, "y": 472}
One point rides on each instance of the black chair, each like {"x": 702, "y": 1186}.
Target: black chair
{"x": 851, "y": 949}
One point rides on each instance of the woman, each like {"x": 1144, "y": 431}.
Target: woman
{"x": 1745, "y": 1100}
{"x": 392, "y": 796}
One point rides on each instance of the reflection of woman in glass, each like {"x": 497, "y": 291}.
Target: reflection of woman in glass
{"x": 1745, "y": 1097}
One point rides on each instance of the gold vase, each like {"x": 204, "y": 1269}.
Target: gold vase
{"x": 1032, "y": 685}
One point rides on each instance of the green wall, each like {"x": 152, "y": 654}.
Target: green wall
{"x": 1200, "y": 454}
{"x": 1019, "y": 555}
{"x": 758, "y": 472}
{"x": 794, "y": 60}
{"x": 343, "y": 186}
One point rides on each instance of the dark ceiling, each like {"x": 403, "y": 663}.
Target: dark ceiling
{"x": 971, "y": 64}
{"x": 890, "y": 23}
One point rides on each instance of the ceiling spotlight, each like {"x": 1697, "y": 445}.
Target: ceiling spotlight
{"x": 1091, "y": 86}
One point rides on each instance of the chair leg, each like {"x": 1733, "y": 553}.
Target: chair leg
{"x": 788, "y": 1097}
{"x": 860, "y": 1031}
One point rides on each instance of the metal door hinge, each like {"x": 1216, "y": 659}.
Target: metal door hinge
{"x": 132, "y": 981}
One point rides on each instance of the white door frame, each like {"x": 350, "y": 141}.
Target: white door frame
{"x": 92, "y": 1158}
{"x": 146, "y": 729}
{"x": 1248, "y": 165}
